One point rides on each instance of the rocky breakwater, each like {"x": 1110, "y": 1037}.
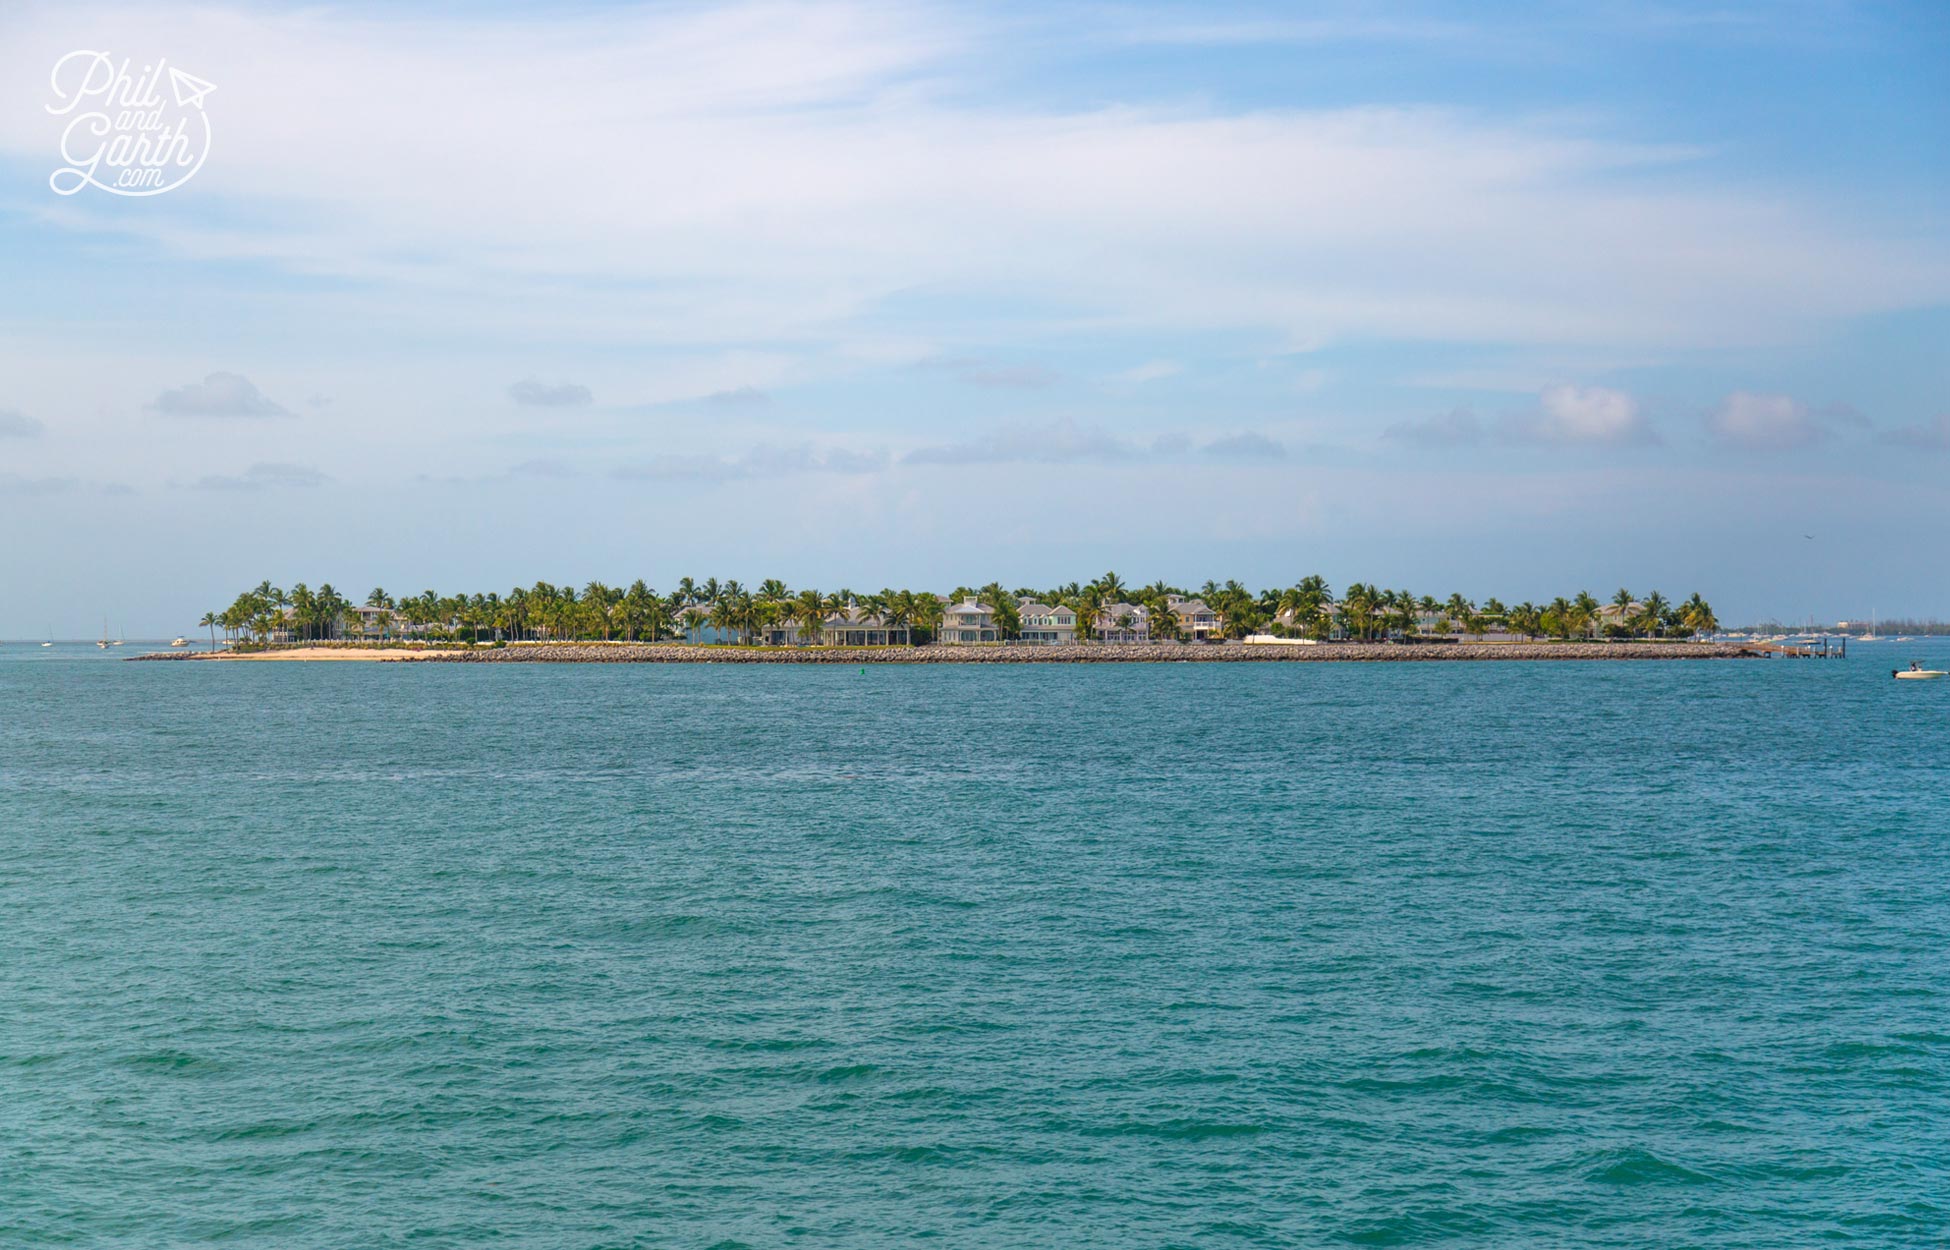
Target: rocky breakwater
{"x": 1083, "y": 653}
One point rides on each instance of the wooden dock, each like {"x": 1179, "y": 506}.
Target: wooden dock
{"x": 1817, "y": 650}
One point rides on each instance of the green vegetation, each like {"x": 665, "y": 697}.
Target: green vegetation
{"x": 728, "y": 612}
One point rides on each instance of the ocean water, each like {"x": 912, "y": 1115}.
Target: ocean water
{"x": 1644, "y": 954}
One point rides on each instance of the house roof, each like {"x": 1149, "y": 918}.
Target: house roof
{"x": 857, "y": 617}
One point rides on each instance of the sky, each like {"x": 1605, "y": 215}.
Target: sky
{"x": 1505, "y": 299}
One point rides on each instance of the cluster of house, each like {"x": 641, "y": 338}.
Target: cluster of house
{"x": 971, "y": 621}
{"x": 1052, "y": 624}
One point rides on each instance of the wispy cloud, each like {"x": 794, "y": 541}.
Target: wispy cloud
{"x": 760, "y": 462}
{"x": 1933, "y": 435}
{"x": 265, "y": 477}
{"x": 16, "y": 424}
{"x": 993, "y": 374}
{"x": 1062, "y": 443}
{"x": 1196, "y": 31}
{"x": 1066, "y": 442}
{"x": 218, "y": 395}
{"x": 1456, "y": 428}
{"x": 547, "y": 467}
{"x": 1564, "y": 416}
{"x": 1245, "y": 446}
{"x": 1152, "y": 371}
{"x": 740, "y": 399}
{"x": 533, "y": 393}
{"x": 15, "y": 484}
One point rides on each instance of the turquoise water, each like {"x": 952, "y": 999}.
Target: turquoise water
{"x": 1191, "y": 955}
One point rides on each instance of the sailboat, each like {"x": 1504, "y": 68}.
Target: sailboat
{"x": 103, "y": 644}
{"x": 1871, "y": 635}
{"x": 119, "y": 640}
{"x": 50, "y": 637}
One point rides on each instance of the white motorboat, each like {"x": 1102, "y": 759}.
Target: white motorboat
{"x": 179, "y": 642}
{"x": 1916, "y": 673}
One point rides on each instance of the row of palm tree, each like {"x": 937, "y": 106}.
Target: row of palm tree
{"x": 728, "y": 611}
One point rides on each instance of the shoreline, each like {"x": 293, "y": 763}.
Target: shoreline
{"x": 1092, "y": 653}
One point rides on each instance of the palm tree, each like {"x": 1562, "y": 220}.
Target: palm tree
{"x": 1557, "y": 617}
{"x": 1002, "y": 605}
{"x": 809, "y": 610}
{"x": 1165, "y": 627}
{"x": 1697, "y": 615}
{"x": 1653, "y": 618}
{"x": 1086, "y": 603}
{"x": 210, "y": 620}
{"x": 926, "y": 613}
{"x": 1586, "y": 609}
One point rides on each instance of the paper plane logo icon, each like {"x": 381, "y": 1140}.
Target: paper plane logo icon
{"x": 189, "y": 89}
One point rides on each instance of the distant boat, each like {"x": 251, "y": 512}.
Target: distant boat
{"x": 179, "y": 642}
{"x": 103, "y": 644}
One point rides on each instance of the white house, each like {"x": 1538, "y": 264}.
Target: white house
{"x": 968, "y": 621}
{"x": 1123, "y": 622}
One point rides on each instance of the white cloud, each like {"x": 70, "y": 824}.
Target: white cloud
{"x": 1593, "y": 414}
{"x": 1764, "y": 422}
{"x": 1564, "y": 416}
{"x": 794, "y": 171}
{"x": 218, "y": 395}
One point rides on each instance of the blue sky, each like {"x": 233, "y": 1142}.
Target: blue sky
{"x": 1505, "y": 299}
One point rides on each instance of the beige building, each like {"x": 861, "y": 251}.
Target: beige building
{"x": 967, "y": 622}
{"x": 1196, "y": 621}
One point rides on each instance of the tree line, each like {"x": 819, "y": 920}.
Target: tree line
{"x": 731, "y": 611}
